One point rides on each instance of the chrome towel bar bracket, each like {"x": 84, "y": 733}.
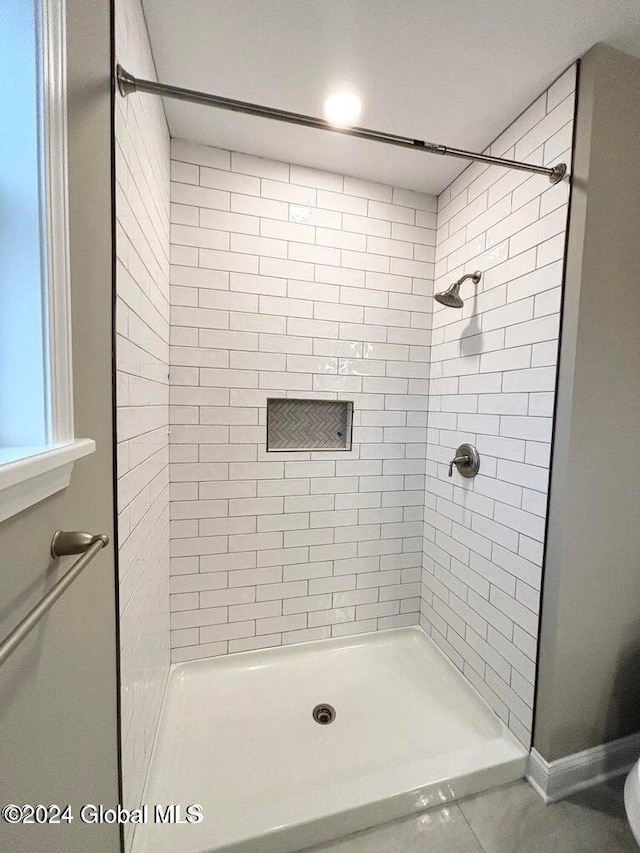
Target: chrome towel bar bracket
{"x": 66, "y": 543}
{"x": 63, "y": 544}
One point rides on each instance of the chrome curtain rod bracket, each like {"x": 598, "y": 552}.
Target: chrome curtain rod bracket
{"x": 62, "y": 544}
{"x": 128, "y": 84}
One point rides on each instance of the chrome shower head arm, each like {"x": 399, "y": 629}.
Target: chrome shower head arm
{"x": 474, "y": 276}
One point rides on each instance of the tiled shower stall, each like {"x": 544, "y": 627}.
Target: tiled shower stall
{"x": 291, "y": 282}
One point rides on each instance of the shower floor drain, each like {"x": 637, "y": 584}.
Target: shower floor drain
{"x": 324, "y": 714}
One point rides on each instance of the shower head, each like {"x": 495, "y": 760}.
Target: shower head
{"x": 451, "y": 296}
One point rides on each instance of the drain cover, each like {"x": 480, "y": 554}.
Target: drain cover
{"x": 324, "y": 714}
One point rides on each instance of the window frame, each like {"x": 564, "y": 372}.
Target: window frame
{"x": 28, "y": 475}
{"x": 55, "y": 216}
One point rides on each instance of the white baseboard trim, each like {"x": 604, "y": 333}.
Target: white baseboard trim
{"x": 554, "y": 780}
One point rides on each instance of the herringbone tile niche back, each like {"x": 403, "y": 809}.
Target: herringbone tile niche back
{"x": 308, "y": 424}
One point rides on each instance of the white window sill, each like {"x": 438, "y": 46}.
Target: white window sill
{"x": 31, "y": 474}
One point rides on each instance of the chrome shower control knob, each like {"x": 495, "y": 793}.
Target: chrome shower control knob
{"x": 459, "y": 460}
{"x": 466, "y": 460}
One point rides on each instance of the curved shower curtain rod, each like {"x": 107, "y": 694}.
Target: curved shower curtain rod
{"x": 128, "y": 84}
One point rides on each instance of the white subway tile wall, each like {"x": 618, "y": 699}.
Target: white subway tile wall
{"x": 291, "y": 282}
{"x": 493, "y": 368}
{"x": 142, "y": 397}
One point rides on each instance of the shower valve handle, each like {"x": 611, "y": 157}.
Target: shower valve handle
{"x": 459, "y": 460}
{"x": 466, "y": 460}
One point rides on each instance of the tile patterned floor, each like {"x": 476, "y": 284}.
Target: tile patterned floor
{"x": 512, "y": 819}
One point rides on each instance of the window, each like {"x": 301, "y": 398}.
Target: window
{"x": 37, "y": 446}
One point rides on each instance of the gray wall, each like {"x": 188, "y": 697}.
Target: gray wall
{"x": 58, "y": 690}
{"x": 589, "y": 670}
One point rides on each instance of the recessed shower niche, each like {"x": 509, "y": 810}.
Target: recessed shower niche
{"x": 308, "y": 424}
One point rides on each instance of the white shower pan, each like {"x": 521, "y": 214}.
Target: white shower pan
{"x": 237, "y": 736}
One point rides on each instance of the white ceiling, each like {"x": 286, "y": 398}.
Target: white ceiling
{"x": 455, "y": 72}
